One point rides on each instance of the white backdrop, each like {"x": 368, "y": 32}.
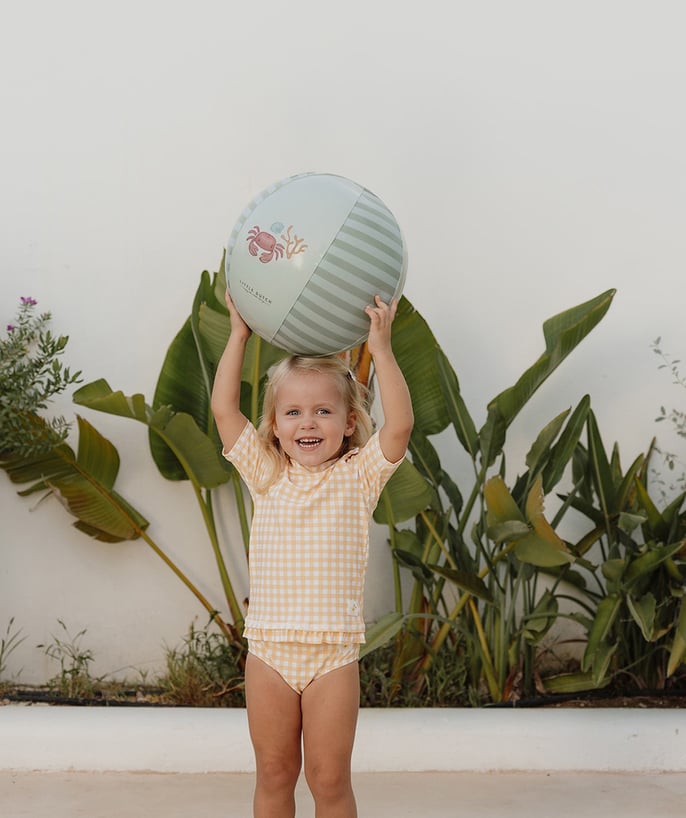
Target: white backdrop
{"x": 533, "y": 153}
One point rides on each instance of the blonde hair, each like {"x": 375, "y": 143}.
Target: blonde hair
{"x": 354, "y": 394}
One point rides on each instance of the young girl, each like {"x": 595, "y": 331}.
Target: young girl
{"x": 315, "y": 472}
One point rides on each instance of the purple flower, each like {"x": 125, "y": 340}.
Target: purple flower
{"x": 27, "y": 301}
{"x": 10, "y": 328}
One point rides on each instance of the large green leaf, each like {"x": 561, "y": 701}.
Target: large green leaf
{"x": 540, "y": 450}
{"x": 187, "y": 374}
{"x": 677, "y": 653}
{"x": 457, "y": 409}
{"x": 643, "y": 613}
{"x": 415, "y": 348}
{"x": 405, "y": 495}
{"x": 535, "y": 542}
{"x": 194, "y": 451}
{"x": 182, "y": 386}
{"x": 562, "y": 334}
{"x": 606, "y": 614}
{"x": 466, "y": 581}
{"x": 382, "y": 632}
{"x": 647, "y": 563}
{"x": 84, "y": 485}
{"x": 562, "y": 452}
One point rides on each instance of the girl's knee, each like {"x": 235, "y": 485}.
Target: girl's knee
{"x": 328, "y": 782}
{"x": 278, "y": 774}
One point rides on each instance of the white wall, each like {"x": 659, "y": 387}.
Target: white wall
{"x": 533, "y": 153}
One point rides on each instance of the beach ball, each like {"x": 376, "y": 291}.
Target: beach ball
{"x": 305, "y": 258}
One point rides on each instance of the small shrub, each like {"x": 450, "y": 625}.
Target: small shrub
{"x": 74, "y": 680}
{"x": 9, "y": 643}
{"x": 205, "y": 671}
{"x": 31, "y": 374}
{"x": 446, "y": 685}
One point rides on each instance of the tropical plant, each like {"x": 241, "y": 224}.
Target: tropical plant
{"x": 471, "y": 566}
{"x": 634, "y": 573}
{"x": 476, "y": 557}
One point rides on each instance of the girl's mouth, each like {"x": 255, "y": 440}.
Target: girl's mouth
{"x": 309, "y": 442}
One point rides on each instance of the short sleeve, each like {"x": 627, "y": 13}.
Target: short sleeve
{"x": 246, "y": 455}
{"x": 373, "y": 469}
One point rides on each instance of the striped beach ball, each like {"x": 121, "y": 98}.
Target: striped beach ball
{"x": 305, "y": 258}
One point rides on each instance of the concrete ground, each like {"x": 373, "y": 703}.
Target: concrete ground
{"x": 379, "y": 795}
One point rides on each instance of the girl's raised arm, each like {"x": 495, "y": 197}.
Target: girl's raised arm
{"x": 226, "y": 392}
{"x": 394, "y": 435}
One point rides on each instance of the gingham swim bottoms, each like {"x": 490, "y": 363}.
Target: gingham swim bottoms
{"x": 298, "y": 663}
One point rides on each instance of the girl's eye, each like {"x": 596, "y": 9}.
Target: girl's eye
{"x": 322, "y": 411}
{"x": 291, "y": 412}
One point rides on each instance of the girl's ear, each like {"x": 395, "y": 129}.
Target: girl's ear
{"x": 351, "y": 423}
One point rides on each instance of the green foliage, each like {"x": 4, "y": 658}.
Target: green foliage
{"x": 478, "y": 558}
{"x": 8, "y": 644}
{"x": 635, "y": 572}
{"x": 31, "y": 374}
{"x": 206, "y": 670}
{"x": 480, "y": 569}
{"x": 73, "y": 680}
{"x": 446, "y": 685}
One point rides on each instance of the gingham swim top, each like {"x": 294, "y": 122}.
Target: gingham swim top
{"x": 309, "y": 543}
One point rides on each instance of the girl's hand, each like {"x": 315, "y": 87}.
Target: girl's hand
{"x": 238, "y": 325}
{"x": 381, "y": 317}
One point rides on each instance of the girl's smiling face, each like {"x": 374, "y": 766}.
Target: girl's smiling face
{"x": 311, "y": 418}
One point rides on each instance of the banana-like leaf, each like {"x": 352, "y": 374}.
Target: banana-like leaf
{"x": 678, "y": 652}
{"x": 648, "y": 562}
{"x": 35, "y": 469}
{"x": 657, "y": 525}
{"x": 537, "y": 624}
{"x": 562, "y": 333}
{"x": 602, "y": 657}
{"x": 501, "y": 507}
{"x": 471, "y": 583}
{"x": 606, "y": 614}
{"x": 84, "y": 484}
{"x": 537, "y": 550}
{"x": 382, "y": 632}
{"x": 562, "y": 452}
{"x": 600, "y": 468}
{"x": 457, "y": 409}
{"x": 408, "y": 559}
{"x": 535, "y": 541}
{"x": 405, "y": 495}
{"x": 194, "y": 451}
{"x": 539, "y": 452}
{"x": 555, "y": 551}
{"x": 185, "y": 381}
{"x": 415, "y": 348}
{"x": 643, "y": 613}
{"x": 181, "y": 386}
{"x": 573, "y": 683}
{"x": 424, "y": 456}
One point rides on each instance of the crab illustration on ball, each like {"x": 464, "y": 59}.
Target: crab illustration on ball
{"x": 263, "y": 243}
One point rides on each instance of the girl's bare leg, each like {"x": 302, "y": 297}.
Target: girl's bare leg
{"x": 329, "y": 718}
{"x": 275, "y": 726}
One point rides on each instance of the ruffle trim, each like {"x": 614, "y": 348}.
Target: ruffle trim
{"x": 304, "y": 637}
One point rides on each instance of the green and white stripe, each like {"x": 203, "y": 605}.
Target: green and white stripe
{"x": 367, "y": 257}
